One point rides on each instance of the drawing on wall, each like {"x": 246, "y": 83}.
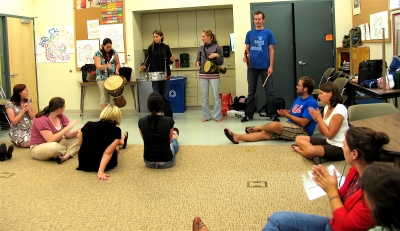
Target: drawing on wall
{"x": 396, "y": 34}
{"x": 394, "y": 4}
{"x": 356, "y": 7}
{"x": 84, "y": 4}
{"x": 93, "y": 29}
{"x": 115, "y": 32}
{"x": 85, "y": 50}
{"x": 111, "y": 11}
{"x": 57, "y": 45}
{"x": 377, "y": 22}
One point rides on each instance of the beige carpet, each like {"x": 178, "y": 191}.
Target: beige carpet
{"x": 206, "y": 181}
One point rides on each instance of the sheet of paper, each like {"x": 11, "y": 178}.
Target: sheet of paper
{"x": 367, "y": 33}
{"x": 362, "y": 27}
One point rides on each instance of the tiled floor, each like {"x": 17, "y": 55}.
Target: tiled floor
{"x": 192, "y": 130}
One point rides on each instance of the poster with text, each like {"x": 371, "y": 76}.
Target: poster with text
{"x": 111, "y": 11}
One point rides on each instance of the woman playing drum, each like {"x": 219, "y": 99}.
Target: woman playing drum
{"x": 158, "y": 59}
{"x": 107, "y": 64}
{"x": 212, "y": 53}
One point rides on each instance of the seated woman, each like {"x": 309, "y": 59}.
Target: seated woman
{"x": 361, "y": 147}
{"x": 381, "y": 185}
{"x": 100, "y": 142}
{"x": 332, "y": 124}
{"x": 20, "y": 113}
{"x": 51, "y": 135}
{"x": 159, "y": 135}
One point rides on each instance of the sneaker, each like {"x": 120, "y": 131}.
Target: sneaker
{"x": 245, "y": 119}
{"x": 276, "y": 119}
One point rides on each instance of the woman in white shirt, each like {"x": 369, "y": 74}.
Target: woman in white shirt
{"x": 332, "y": 124}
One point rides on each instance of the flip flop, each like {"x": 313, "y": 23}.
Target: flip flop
{"x": 9, "y": 151}
{"x": 125, "y": 140}
{"x": 229, "y": 136}
{"x": 251, "y": 128}
{"x": 294, "y": 146}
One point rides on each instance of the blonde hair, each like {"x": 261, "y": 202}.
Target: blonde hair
{"x": 210, "y": 34}
{"x": 111, "y": 114}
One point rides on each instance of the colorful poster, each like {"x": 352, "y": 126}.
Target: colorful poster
{"x": 85, "y": 50}
{"x": 93, "y": 29}
{"x": 85, "y": 4}
{"x": 111, "y": 11}
{"x": 115, "y": 32}
{"x": 56, "y": 45}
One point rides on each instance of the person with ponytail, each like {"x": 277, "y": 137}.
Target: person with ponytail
{"x": 20, "y": 113}
{"x": 107, "y": 63}
{"x": 212, "y": 52}
{"x": 362, "y": 146}
{"x": 159, "y": 135}
{"x": 51, "y": 134}
{"x": 158, "y": 59}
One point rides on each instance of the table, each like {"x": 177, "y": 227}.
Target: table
{"x": 84, "y": 86}
{"x": 390, "y": 124}
{"x": 372, "y": 92}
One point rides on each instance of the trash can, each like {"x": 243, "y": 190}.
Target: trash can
{"x": 177, "y": 94}
{"x": 144, "y": 90}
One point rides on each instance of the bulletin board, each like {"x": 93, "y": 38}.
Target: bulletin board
{"x": 368, "y": 7}
{"x": 99, "y": 10}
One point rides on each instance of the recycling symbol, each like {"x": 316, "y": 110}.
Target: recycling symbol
{"x": 172, "y": 93}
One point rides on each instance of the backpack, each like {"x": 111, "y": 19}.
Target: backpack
{"x": 280, "y": 104}
{"x": 88, "y": 73}
{"x": 356, "y": 37}
{"x": 239, "y": 103}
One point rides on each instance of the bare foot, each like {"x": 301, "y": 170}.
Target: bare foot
{"x": 218, "y": 120}
{"x": 204, "y": 120}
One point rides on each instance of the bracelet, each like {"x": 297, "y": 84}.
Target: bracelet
{"x": 331, "y": 198}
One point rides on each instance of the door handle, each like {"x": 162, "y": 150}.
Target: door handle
{"x": 12, "y": 74}
{"x": 301, "y": 63}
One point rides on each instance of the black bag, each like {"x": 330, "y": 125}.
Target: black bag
{"x": 280, "y": 104}
{"x": 356, "y": 37}
{"x": 370, "y": 69}
{"x": 126, "y": 72}
{"x": 239, "y": 103}
{"x": 88, "y": 73}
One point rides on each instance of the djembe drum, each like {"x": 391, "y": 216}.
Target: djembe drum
{"x": 212, "y": 68}
{"x": 115, "y": 87}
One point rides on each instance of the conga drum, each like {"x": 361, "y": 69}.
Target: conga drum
{"x": 115, "y": 86}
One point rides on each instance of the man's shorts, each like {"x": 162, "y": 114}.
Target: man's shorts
{"x": 289, "y": 132}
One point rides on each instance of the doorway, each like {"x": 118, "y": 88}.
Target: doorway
{"x": 300, "y": 29}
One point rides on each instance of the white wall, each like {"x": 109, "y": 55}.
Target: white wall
{"x": 62, "y": 14}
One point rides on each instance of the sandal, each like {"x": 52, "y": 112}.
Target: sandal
{"x": 3, "y": 151}
{"x": 218, "y": 120}
{"x": 9, "y": 151}
{"x": 176, "y": 131}
{"x": 229, "y": 135}
{"x": 294, "y": 146}
{"x": 125, "y": 140}
{"x": 250, "y": 129}
{"x": 197, "y": 224}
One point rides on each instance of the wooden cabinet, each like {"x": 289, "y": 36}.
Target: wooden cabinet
{"x": 359, "y": 54}
{"x": 205, "y": 19}
{"x": 227, "y": 85}
{"x": 150, "y": 23}
{"x": 223, "y": 26}
{"x": 187, "y": 29}
{"x": 169, "y": 27}
{"x": 191, "y": 87}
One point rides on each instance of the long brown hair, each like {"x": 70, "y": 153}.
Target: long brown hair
{"x": 16, "y": 97}
{"x": 161, "y": 34}
{"x": 155, "y": 103}
{"x": 54, "y": 104}
{"x": 336, "y": 96}
{"x": 210, "y": 34}
{"x": 103, "y": 52}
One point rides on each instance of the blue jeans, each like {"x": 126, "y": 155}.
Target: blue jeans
{"x": 162, "y": 87}
{"x": 289, "y": 221}
{"x": 174, "y": 148}
{"x": 252, "y": 78}
{"x": 205, "y": 107}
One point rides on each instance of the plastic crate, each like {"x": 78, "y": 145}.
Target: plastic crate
{"x": 177, "y": 94}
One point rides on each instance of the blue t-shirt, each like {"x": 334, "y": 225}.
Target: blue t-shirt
{"x": 300, "y": 109}
{"x": 259, "y": 41}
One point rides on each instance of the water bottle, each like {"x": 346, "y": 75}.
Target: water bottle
{"x": 398, "y": 78}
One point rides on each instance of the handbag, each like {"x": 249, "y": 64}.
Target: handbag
{"x": 370, "y": 69}
{"x": 88, "y": 73}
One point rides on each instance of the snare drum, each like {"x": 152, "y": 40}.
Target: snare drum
{"x": 210, "y": 67}
{"x": 156, "y": 76}
{"x": 115, "y": 87}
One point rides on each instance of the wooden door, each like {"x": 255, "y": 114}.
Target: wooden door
{"x": 21, "y": 46}
{"x": 169, "y": 27}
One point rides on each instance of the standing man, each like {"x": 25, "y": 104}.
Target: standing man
{"x": 260, "y": 58}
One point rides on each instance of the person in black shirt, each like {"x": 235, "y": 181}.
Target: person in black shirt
{"x": 159, "y": 135}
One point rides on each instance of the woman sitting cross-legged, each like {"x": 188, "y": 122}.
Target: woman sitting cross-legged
{"x": 51, "y": 135}
{"x": 100, "y": 143}
{"x": 332, "y": 124}
{"x": 159, "y": 135}
{"x": 362, "y": 146}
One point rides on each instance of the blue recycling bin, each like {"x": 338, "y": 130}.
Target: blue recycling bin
{"x": 177, "y": 94}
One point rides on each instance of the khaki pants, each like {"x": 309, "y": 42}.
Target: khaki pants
{"x": 49, "y": 150}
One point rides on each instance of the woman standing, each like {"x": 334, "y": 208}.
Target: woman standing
{"x": 100, "y": 142}
{"x": 158, "y": 59}
{"x": 159, "y": 135}
{"x": 20, "y": 113}
{"x": 107, "y": 63}
{"x": 51, "y": 135}
{"x": 332, "y": 124}
{"x": 362, "y": 146}
{"x": 212, "y": 52}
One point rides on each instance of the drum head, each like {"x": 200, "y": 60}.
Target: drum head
{"x": 207, "y": 66}
{"x": 113, "y": 82}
